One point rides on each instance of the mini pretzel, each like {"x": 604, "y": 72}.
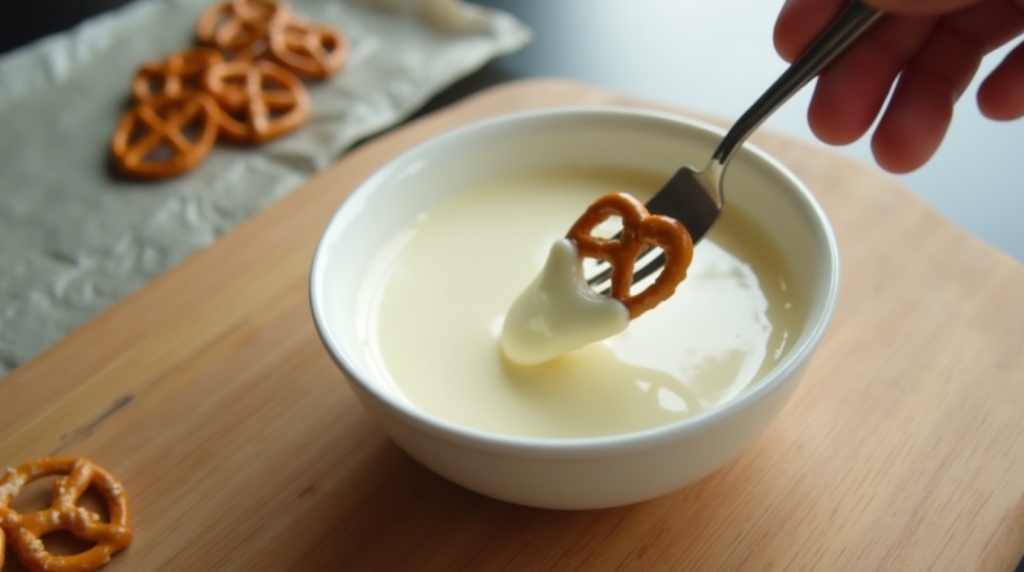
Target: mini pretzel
{"x": 185, "y": 126}
{"x": 314, "y": 51}
{"x": 640, "y": 230}
{"x": 76, "y": 475}
{"x": 235, "y": 25}
{"x": 261, "y": 100}
{"x": 265, "y": 10}
{"x": 181, "y": 73}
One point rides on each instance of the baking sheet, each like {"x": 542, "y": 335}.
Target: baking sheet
{"x": 74, "y": 239}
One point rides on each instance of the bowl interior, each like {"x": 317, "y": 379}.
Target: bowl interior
{"x": 660, "y": 143}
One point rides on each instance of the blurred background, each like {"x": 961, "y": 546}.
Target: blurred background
{"x": 712, "y": 57}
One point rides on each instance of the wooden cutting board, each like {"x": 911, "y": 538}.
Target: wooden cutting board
{"x": 210, "y": 396}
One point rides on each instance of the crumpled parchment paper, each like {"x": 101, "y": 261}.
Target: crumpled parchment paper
{"x": 74, "y": 239}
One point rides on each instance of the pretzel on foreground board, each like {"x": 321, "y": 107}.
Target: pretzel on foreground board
{"x": 74, "y": 477}
{"x": 640, "y": 230}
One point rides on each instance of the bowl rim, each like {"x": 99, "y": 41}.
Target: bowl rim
{"x": 631, "y": 442}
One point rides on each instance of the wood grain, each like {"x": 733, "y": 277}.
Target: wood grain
{"x": 210, "y": 396}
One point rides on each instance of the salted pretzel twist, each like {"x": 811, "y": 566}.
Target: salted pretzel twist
{"x": 184, "y": 128}
{"x": 180, "y": 74}
{"x": 239, "y": 24}
{"x": 311, "y": 50}
{"x": 265, "y": 10}
{"x": 260, "y": 100}
{"x": 75, "y": 476}
{"x": 640, "y": 230}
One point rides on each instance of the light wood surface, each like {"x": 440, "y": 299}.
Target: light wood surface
{"x": 210, "y": 396}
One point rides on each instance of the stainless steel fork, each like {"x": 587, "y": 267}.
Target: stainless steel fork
{"x": 695, "y": 198}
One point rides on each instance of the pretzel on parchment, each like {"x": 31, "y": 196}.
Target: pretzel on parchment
{"x": 640, "y": 230}
{"x": 311, "y": 50}
{"x": 180, "y": 74}
{"x": 75, "y": 476}
{"x": 183, "y": 127}
{"x": 260, "y": 100}
{"x": 238, "y": 24}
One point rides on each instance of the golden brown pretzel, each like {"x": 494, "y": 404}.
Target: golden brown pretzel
{"x": 233, "y": 26}
{"x": 260, "y": 99}
{"x": 181, "y": 73}
{"x": 75, "y": 476}
{"x": 640, "y": 230}
{"x": 265, "y": 10}
{"x": 314, "y": 51}
{"x": 184, "y": 127}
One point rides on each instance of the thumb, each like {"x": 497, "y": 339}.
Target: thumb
{"x": 920, "y": 7}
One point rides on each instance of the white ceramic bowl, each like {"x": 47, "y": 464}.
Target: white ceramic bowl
{"x": 585, "y": 472}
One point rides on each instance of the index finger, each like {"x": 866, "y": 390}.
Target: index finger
{"x": 800, "y": 22}
{"x": 920, "y": 7}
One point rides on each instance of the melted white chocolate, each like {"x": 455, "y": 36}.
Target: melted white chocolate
{"x": 558, "y": 312}
{"x": 436, "y": 297}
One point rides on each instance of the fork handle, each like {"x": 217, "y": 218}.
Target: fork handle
{"x": 853, "y": 21}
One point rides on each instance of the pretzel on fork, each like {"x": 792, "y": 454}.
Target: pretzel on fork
{"x": 75, "y": 476}
{"x": 640, "y": 231}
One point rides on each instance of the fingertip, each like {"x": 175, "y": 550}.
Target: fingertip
{"x": 892, "y": 160}
{"x": 850, "y": 94}
{"x": 1001, "y": 94}
{"x": 785, "y": 33}
{"x": 920, "y": 7}
{"x": 783, "y": 46}
{"x": 825, "y": 122}
{"x": 799, "y": 23}
{"x": 901, "y": 151}
{"x": 913, "y": 126}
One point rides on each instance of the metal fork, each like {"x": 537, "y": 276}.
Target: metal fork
{"x": 695, "y": 198}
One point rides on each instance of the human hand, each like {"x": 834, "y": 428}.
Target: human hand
{"x": 930, "y": 49}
